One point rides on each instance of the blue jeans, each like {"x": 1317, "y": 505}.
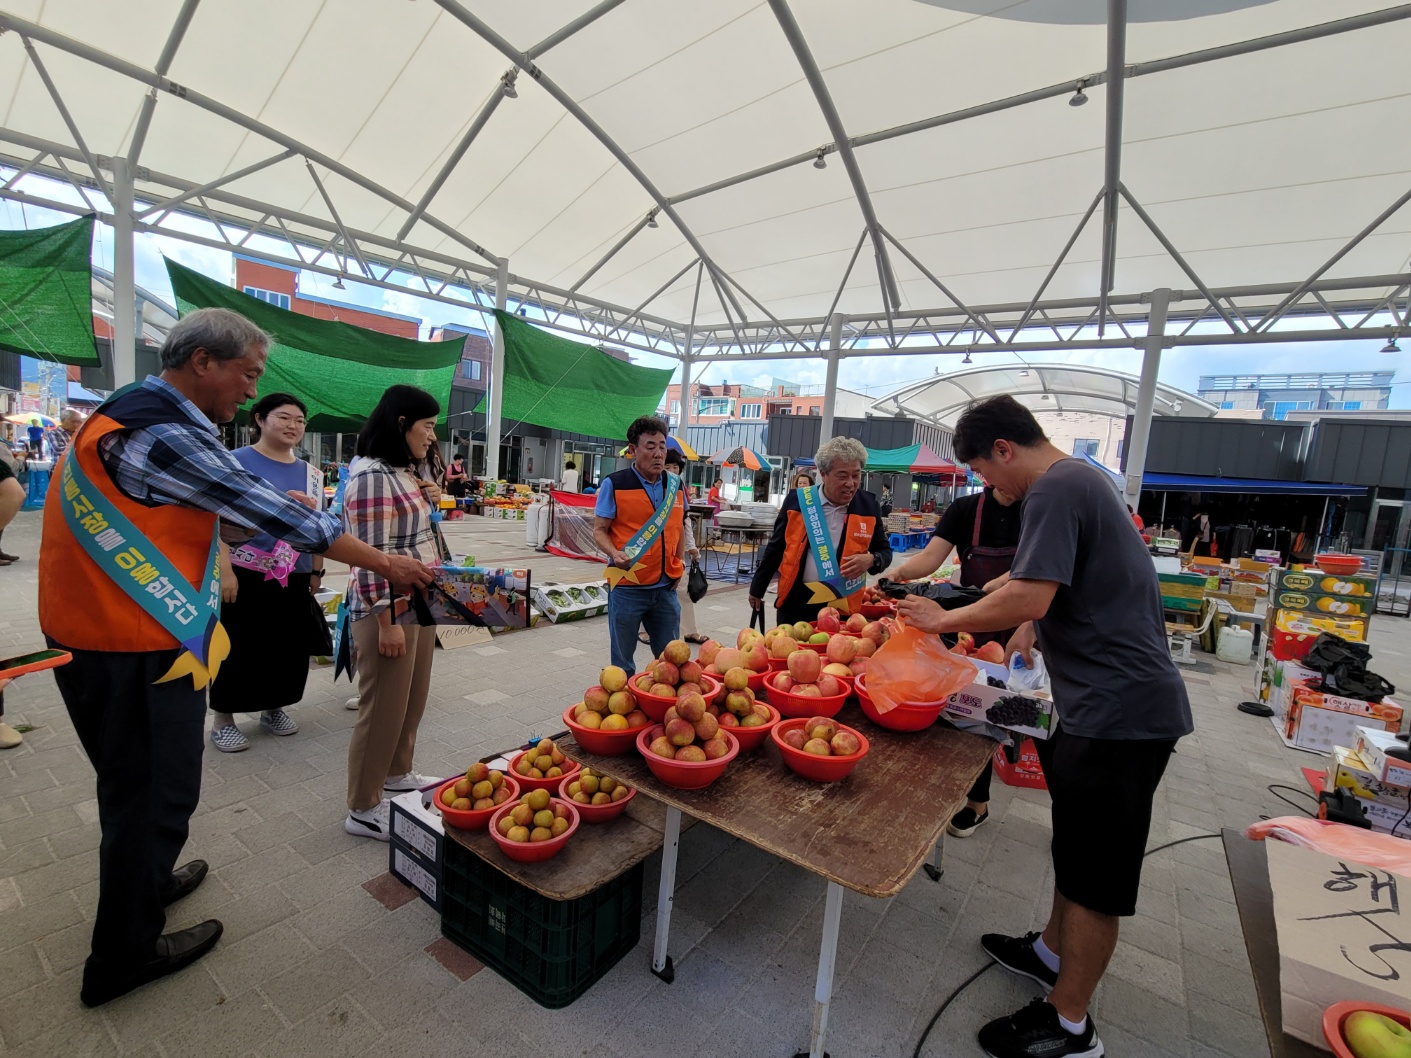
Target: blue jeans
{"x": 655, "y": 609}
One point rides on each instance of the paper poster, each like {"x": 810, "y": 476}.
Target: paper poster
{"x": 472, "y": 595}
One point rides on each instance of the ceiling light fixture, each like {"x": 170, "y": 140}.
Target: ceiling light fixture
{"x": 652, "y": 219}
{"x": 1391, "y": 346}
{"x": 338, "y": 283}
{"x": 507, "y": 84}
{"x": 1024, "y": 373}
{"x": 820, "y": 162}
{"x": 967, "y": 359}
{"x": 1079, "y": 97}
{"x": 1176, "y": 407}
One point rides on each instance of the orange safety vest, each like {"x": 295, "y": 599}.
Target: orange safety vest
{"x": 634, "y": 509}
{"x": 79, "y": 605}
{"x": 857, "y": 540}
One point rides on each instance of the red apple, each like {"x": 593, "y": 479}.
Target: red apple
{"x": 805, "y": 665}
{"x": 856, "y": 623}
{"x": 842, "y": 649}
{"x": 828, "y": 620}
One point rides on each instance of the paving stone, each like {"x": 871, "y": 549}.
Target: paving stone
{"x": 301, "y": 989}
{"x": 234, "y": 1028}
{"x": 39, "y": 919}
{"x": 162, "y": 1006}
{"x": 1146, "y": 970}
{"x": 20, "y": 968}
{"x": 261, "y": 870}
{"x": 254, "y": 961}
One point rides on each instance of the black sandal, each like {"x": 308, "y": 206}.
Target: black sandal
{"x": 642, "y": 637}
{"x": 695, "y": 637}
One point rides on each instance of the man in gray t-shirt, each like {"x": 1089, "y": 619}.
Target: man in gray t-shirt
{"x": 1083, "y": 582}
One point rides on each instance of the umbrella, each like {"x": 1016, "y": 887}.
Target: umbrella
{"x": 675, "y": 443}
{"x": 25, "y": 417}
{"x": 749, "y": 458}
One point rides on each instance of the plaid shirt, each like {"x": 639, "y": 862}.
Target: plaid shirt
{"x": 385, "y": 508}
{"x": 185, "y": 464}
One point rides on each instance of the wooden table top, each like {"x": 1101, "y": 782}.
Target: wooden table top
{"x": 870, "y": 832}
{"x": 597, "y": 852}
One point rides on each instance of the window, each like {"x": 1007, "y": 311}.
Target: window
{"x": 471, "y": 369}
{"x": 1121, "y": 449}
{"x": 269, "y": 296}
{"x": 1227, "y": 405}
{"x": 713, "y": 406}
{"x": 1344, "y": 405}
{"x": 751, "y": 411}
{"x": 675, "y": 407}
{"x": 815, "y": 410}
{"x": 785, "y": 411}
{"x": 1277, "y": 409}
{"x": 1085, "y": 446}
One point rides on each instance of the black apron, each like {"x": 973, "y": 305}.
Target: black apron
{"x": 980, "y": 565}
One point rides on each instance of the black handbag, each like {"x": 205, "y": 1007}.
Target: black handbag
{"x": 320, "y": 636}
{"x": 696, "y": 584}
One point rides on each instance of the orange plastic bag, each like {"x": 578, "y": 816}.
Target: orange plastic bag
{"x": 1335, "y": 839}
{"x": 914, "y": 666}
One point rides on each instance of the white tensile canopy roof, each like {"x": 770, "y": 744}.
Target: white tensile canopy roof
{"x": 1040, "y": 388}
{"x": 381, "y": 131}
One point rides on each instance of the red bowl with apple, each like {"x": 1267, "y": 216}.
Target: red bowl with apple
{"x": 909, "y": 716}
{"x": 596, "y": 813}
{"x": 1335, "y": 1025}
{"x": 656, "y": 705}
{"x": 597, "y": 740}
{"x": 817, "y": 766}
{"x": 534, "y": 851}
{"x": 794, "y": 705}
{"x": 686, "y": 774}
{"x": 875, "y": 611}
{"x": 753, "y": 737}
{"x": 550, "y": 783}
{"x": 473, "y": 818}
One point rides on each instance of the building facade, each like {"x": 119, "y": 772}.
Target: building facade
{"x": 1275, "y": 396}
{"x": 718, "y": 402}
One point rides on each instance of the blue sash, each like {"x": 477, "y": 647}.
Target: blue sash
{"x": 830, "y": 588}
{"x": 189, "y": 614}
{"x": 644, "y": 537}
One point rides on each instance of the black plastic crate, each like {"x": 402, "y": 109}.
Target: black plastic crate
{"x": 551, "y": 950}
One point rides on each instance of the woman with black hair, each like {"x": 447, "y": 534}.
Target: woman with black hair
{"x": 387, "y": 505}
{"x": 265, "y": 588}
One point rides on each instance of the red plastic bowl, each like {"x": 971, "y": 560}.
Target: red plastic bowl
{"x": 874, "y": 611}
{"x": 909, "y": 716}
{"x": 526, "y": 784}
{"x": 538, "y": 851}
{"x": 1336, "y": 1014}
{"x": 472, "y": 820}
{"x": 797, "y": 706}
{"x": 1333, "y": 562}
{"x": 753, "y": 737}
{"x": 596, "y": 813}
{"x": 655, "y": 705}
{"x": 596, "y": 740}
{"x": 810, "y": 766}
{"x": 686, "y": 775}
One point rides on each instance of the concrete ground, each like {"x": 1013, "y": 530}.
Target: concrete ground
{"x": 324, "y": 955}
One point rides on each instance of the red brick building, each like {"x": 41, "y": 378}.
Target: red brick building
{"x": 279, "y": 286}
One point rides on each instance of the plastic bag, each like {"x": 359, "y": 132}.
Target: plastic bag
{"x": 914, "y": 666}
{"x": 1334, "y": 839}
{"x": 1028, "y": 678}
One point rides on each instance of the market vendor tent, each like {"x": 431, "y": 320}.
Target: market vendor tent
{"x": 913, "y": 459}
{"x": 45, "y": 278}
{"x": 338, "y": 370}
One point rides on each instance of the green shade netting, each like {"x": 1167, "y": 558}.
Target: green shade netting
{"x": 340, "y": 371}
{"x": 563, "y": 385}
{"x": 46, "y": 293}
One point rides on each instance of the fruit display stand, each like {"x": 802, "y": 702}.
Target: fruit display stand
{"x": 870, "y": 832}
{"x": 553, "y": 928}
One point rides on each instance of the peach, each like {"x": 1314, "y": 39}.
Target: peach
{"x": 737, "y": 678}
{"x": 707, "y": 652}
{"x": 497, "y": 779}
{"x": 522, "y": 815}
{"x": 662, "y": 690}
{"x": 684, "y": 688}
{"x": 691, "y": 754}
{"x": 739, "y": 702}
{"x": 519, "y": 834}
{"x": 821, "y": 727}
{"x": 828, "y": 620}
{"x": 621, "y": 702}
{"x": 612, "y": 679}
{"x": 844, "y": 744}
{"x": 690, "y": 708}
{"x": 636, "y": 718}
{"x": 729, "y": 720}
{"x": 662, "y": 747}
{"x": 677, "y": 652}
{"x": 541, "y": 834}
{"x": 481, "y": 789}
{"x": 501, "y": 795}
{"x": 752, "y": 720}
{"x": 671, "y": 714}
{"x": 991, "y": 652}
{"x": 478, "y": 772}
{"x": 713, "y": 709}
{"x": 841, "y": 649}
{"x": 680, "y": 732}
{"x": 818, "y": 747}
{"x": 463, "y": 788}
{"x": 706, "y": 727}
{"x": 612, "y": 722}
{"x": 667, "y": 673}
{"x": 805, "y": 665}
{"x": 690, "y": 672}
{"x": 481, "y": 803}
{"x": 715, "y": 748}
{"x": 596, "y": 699}
{"x": 560, "y": 827}
{"x": 504, "y": 825}
{"x": 794, "y": 737}
{"x": 856, "y": 623}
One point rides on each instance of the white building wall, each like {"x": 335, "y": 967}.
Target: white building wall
{"x": 1065, "y": 428}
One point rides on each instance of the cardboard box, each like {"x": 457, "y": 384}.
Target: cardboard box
{"x": 1347, "y": 771}
{"x": 1348, "y": 585}
{"x": 1388, "y": 819}
{"x": 1371, "y": 745}
{"x": 1282, "y": 676}
{"x": 975, "y": 703}
{"x": 571, "y": 602}
{"x": 417, "y": 849}
{"x": 1322, "y": 603}
{"x": 1027, "y": 773}
{"x": 1304, "y": 692}
{"x": 1319, "y": 729}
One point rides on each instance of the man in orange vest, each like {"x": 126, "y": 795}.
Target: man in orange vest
{"x": 129, "y": 583}
{"x": 830, "y": 545}
{"x": 639, "y": 514}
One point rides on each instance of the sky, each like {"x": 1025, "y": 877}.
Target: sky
{"x": 874, "y": 376}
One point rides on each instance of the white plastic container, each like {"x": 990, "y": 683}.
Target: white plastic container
{"x": 536, "y": 523}
{"x": 1234, "y": 645}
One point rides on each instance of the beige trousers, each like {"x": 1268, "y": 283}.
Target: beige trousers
{"x": 391, "y": 701}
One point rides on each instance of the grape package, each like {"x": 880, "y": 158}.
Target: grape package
{"x": 1013, "y": 711}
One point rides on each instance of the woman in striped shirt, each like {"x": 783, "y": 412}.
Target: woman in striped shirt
{"x": 389, "y": 507}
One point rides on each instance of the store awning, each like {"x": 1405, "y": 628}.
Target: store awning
{"x": 1115, "y": 477}
{"x": 1249, "y": 486}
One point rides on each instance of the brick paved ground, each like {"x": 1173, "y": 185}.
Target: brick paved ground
{"x": 321, "y": 956}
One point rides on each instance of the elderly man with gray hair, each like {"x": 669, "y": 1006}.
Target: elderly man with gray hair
{"x": 129, "y": 584}
{"x": 826, "y": 540}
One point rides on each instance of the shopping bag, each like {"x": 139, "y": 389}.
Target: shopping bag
{"x": 914, "y": 666}
{"x": 696, "y": 585}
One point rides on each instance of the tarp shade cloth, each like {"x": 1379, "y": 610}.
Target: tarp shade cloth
{"x": 45, "y": 307}
{"x": 340, "y": 371}
{"x": 1249, "y": 486}
{"x": 572, "y": 532}
{"x": 563, "y": 385}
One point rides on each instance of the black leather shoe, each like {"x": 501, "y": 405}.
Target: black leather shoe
{"x": 184, "y": 881}
{"x": 175, "y": 951}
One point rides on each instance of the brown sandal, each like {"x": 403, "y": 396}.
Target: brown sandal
{"x": 695, "y": 637}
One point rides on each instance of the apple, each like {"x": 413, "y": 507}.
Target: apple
{"x": 807, "y": 690}
{"x": 966, "y": 640}
{"x": 729, "y": 658}
{"x": 801, "y": 631}
{"x": 783, "y": 682}
{"x": 856, "y": 623}
{"x": 821, "y": 727}
{"x": 818, "y": 747}
{"x": 678, "y": 652}
{"x": 707, "y": 652}
{"x": 841, "y": 649}
{"x": 818, "y": 638}
{"x": 1372, "y": 1035}
{"x": 864, "y": 647}
{"x": 805, "y": 666}
{"x": 991, "y": 652}
{"x": 737, "y": 678}
{"x": 739, "y": 702}
{"x": 757, "y": 658}
{"x": 829, "y": 686}
{"x": 667, "y": 673}
{"x": 834, "y": 669}
{"x": 859, "y": 666}
{"x": 874, "y": 631}
{"x": 612, "y": 679}
{"x": 783, "y": 646}
{"x": 844, "y": 744}
{"x": 828, "y": 620}
{"x": 680, "y": 732}
{"x": 745, "y": 638}
{"x": 794, "y": 737}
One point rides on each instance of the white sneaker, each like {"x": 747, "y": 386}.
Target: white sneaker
{"x": 371, "y": 822}
{"x": 352, "y": 703}
{"x": 410, "y": 781}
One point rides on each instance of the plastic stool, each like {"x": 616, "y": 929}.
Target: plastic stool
{"x": 899, "y": 541}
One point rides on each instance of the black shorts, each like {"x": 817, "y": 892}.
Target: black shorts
{"x": 1102, "y": 791}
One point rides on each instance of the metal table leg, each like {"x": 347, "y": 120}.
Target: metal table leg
{"x": 827, "y": 959}
{"x": 666, "y": 896}
{"x": 935, "y": 868}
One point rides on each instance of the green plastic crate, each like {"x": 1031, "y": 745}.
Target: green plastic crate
{"x": 551, "y": 950}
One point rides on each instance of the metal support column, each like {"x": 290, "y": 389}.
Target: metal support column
{"x": 124, "y": 282}
{"x": 830, "y": 382}
{"x": 683, "y": 422}
{"x": 497, "y": 378}
{"x": 1146, "y": 396}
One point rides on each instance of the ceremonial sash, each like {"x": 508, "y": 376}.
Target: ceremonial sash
{"x": 645, "y": 536}
{"x": 189, "y": 614}
{"x": 276, "y": 564}
{"x": 831, "y": 587}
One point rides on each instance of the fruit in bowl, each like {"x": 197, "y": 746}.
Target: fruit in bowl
{"x": 819, "y": 747}
{"x": 590, "y": 788}
{"x": 537, "y": 817}
{"x": 481, "y": 788}
{"x": 543, "y": 761}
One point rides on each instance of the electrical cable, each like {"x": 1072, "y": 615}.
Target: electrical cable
{"x": 1274, "y": 789}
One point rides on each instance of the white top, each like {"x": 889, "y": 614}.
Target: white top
{"x": 569, "y": 481}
